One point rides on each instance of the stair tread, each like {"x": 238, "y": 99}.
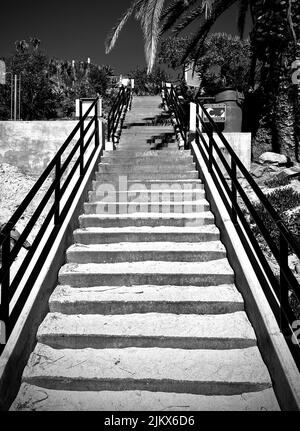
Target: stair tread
{"x": 214, "y": 267}
{"x": 193, "y": 367}
{"x": 155, "y": 246}
{"x": 143, "y": 325}
{"x": 31, "y": 396}
{"x": 221, "y": 293}
{"x": 152, "y": 215}
{"x": 209, "y": 228}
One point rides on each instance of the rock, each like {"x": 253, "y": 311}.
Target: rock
{"x": 297, "y": 268}
{"x": 293, "y": 171}
{"x": 273, "y": 158}
{"x": 258, "y": 171}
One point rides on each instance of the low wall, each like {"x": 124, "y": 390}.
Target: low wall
{"x": 30, "y": 145}
{"x": 241, "y": 145}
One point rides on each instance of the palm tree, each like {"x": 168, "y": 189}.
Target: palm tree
{"x": 275, "y": 43}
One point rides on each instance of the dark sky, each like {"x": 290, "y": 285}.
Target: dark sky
{"x": 72, "y": 29}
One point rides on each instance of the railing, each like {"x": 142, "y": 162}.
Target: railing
{"x": 63, "y": 172}
{"x": 276, "y": 288}
{"x": 173, "y": 102}
{"x": 121, "y": 104}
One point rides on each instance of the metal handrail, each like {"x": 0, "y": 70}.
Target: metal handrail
{"x": 276, "y": 289}
{"x": 173, "y": 102}
{"x": 56, "y": 214}
{"x": 116, "y": 115}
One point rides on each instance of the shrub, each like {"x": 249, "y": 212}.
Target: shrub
{"x": 282, "y": 200}
{"x": 278, "y": 181}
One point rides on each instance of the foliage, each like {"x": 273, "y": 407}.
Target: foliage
{"x": 282, "y": 200}
{"x": 147, "y": 84}
{"x": 38, "y": 100}
{"x": 278, "y": 181}
{"x": 50, "y": 86}
{"x": 225, "y": 63}
{"x": 172, "y": 50}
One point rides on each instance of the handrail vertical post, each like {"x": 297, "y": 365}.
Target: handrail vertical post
{"x": 97, "y": 124}
{"x": 81, "y": 138}
{"x": 192, "y": 123}
{"x": 57, "y": 191}
{"x": 4, "y": 307}
{"x": 284, "y": 291}
{"x": 210, "y": 148}
{"x": 233, "y": 192}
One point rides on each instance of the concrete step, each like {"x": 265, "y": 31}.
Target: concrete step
{"x": 213, "y": 272}
{"x": 141, "y": 205}
{"x": 125, "y": 184}
{"x": 132, "y": 149}
{"x": 147, "y": 146}
{"x": 146, "y": 161}
{"x": 154, "y": 167}
{"x": 199, "y": 372}
{"x": 30, "y": 397}
{"x": 148, "y": 195}
{"x": 137, "y": 154}
{"x": 146, "y": 299}
{"x": 174, "y": 331}
{"x": 98, "y": 235}
{"x": 140, "y": 176}
{"x": 138, "y": 251}
{"x": 146, "y": 220}
{"x": 142, "y": 150}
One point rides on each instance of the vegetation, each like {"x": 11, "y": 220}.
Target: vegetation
{"x": 49, "y": 87}
{"x": 274, "y": 44}
{"x": 282, "y": 200}
{"x": 278, "y": 181}
{"x": 147, "y": 84}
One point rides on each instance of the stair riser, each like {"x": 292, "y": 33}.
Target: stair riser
{"x": 97, "y": 238}
{"x": 147, "y": 161}
{"x": 119, "y": 307}
{"x": 209, "y": 388}
{"x": 91, "y": 280}
{"x": 114, "y": 178}
{"x": 158, "y": 196}
{"x": 142, "y": 148}
{"x": 127, "y": 256}
{"x": 125, "y": 185}
{"x": 115, "y": 222}
{"x": 128, "y": 169}
{"x": 143, "y": 156}
{"x": 122, "y": 342}
{"x": 119, "y": 208}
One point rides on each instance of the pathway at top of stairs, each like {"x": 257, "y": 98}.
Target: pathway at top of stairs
{"x": 146, "y": 315}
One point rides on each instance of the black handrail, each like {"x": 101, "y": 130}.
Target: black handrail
{"x": 276, "y": 289}
{"x": 55, "y": 216}
{"x": 117, "y": 113}
{"x": 173, "y": 102}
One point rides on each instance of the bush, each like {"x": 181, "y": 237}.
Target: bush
{"x": 282, "y": 200}
{"x": 148, "y": 85}
{"x": 278, "y": 181}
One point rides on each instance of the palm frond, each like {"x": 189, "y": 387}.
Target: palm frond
{"x": 114, "y": 33}
{"x": 195, "y": 48}
{"x": 174, "y": 12}
{"x": 149, "y": 16}
{"x": 243, "y": 8}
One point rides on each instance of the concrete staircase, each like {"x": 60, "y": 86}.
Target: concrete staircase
{"x": 146, "y": 315}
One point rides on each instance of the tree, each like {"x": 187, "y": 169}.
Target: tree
{"x": 38, "y": 100}
{"x": 147, "y": 84}
{"x": 275, "y": 45}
